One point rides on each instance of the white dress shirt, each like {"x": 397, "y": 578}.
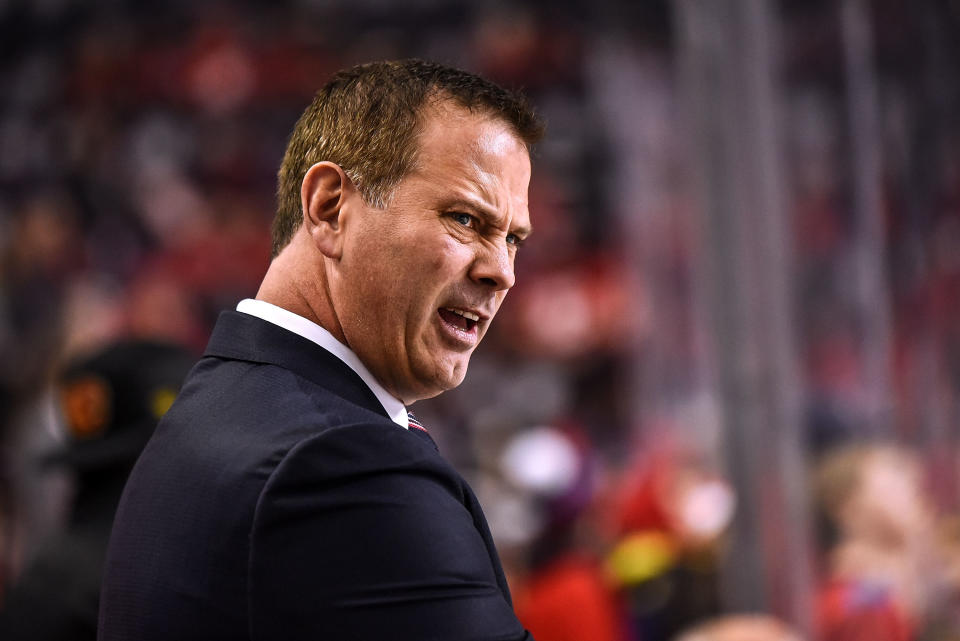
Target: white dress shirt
{"x": 313, "y": 332}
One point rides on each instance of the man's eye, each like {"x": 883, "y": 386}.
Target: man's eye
{"x": 464, "y": 219}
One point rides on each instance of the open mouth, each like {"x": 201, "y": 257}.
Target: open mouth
{"x": 459, "y": 318}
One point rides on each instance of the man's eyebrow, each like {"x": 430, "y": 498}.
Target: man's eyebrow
{"x": 488, "y": 215}
{"x": 523, "y": 230}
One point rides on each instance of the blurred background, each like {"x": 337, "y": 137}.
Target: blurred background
{"x": 728, "y": 379}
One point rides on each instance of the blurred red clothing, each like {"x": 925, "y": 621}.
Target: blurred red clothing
{"x": 570, "y": 600}
{"x": 860, "y": 611}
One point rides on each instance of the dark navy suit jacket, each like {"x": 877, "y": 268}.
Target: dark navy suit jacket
{"x": 277, "y": 500}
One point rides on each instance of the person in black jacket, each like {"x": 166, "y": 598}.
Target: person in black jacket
{"x": 287, "y": 495}
{"x": 110, "y": 401}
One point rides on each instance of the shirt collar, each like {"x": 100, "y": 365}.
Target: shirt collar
{"x": 313, "y": 332}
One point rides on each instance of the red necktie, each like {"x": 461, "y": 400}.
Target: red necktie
{"x": 416, "y": 427}
{"x": 414, "y": 423}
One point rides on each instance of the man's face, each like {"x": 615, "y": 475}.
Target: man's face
{"x": 420, "y": 281}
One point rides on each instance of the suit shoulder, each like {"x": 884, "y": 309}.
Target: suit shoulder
{"x": 364, "y": 448}
{"x": 262, "y": 402}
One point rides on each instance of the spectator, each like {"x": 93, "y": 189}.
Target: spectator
{"x": 111, "y": 402}
{"x": 881, "y": 550}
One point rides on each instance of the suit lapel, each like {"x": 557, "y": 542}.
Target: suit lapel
{"x": 243, "y": 337}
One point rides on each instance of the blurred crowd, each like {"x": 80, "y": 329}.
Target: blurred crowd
{"x": 138, "y": 151}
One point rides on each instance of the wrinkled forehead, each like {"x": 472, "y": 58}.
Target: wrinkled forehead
{"x": 453, "y": 136}
{"x": 496, "y": 142}
{"x": 447, "y": 110}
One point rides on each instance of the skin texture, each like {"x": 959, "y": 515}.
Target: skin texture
{"x": 377, "y": 279}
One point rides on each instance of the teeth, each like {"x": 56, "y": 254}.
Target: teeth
{"x": 460, "y": 312}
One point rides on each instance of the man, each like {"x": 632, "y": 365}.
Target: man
{"x": 285, "y": 495}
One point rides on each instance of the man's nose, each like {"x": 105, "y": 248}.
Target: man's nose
{"x": 493, "y": 266}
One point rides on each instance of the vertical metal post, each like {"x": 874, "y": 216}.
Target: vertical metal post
{"x": 873, "y": 300}
{"x": 728, "y": 66}
{"x": 634, "y": 94}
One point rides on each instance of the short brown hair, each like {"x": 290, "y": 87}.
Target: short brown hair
{"x": 367, "y": 119}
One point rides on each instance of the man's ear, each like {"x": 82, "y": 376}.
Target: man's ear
{"x": 323, "y": 193}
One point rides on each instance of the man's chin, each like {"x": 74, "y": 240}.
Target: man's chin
{"x": 447, "y": 376}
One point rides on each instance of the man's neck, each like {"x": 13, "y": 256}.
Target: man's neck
{"x": 299, "y": 286}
